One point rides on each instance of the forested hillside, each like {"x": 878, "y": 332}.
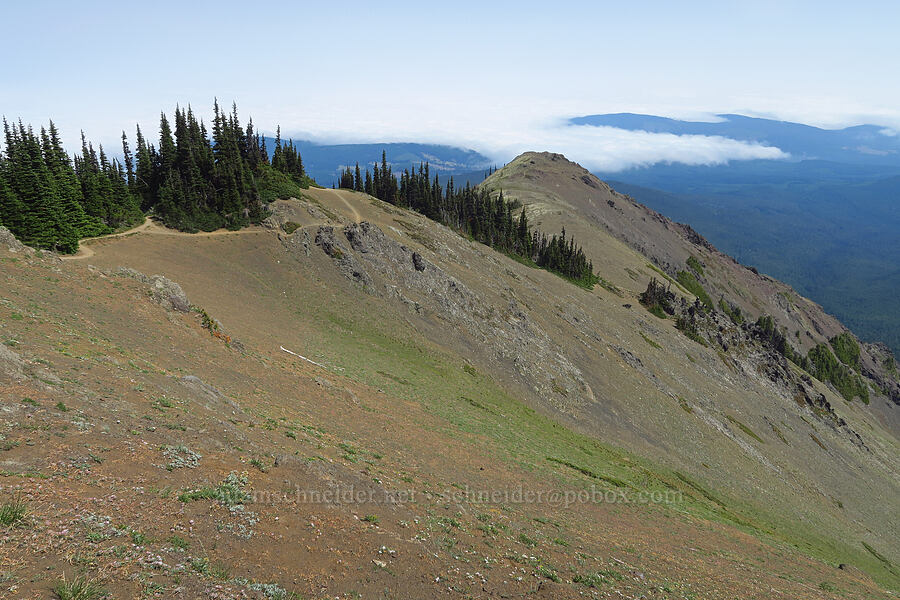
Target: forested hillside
{"x": 190, "y": 180}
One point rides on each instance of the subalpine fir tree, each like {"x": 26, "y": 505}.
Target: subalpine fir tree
{"x": 68, "y": 187}
{"x": 12, "y": 210}
{"x": 144, "y": 178}
{"x": 129, "y": 161}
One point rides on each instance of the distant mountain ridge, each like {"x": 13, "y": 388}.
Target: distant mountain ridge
{"x": 861, "y": 144}
{"x": 825, "y": 221}
{"x": 324, "y": 162}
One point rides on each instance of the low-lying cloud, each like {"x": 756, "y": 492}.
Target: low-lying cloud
{"x": 610, "y": 149}
{"x": 607, "y": 149}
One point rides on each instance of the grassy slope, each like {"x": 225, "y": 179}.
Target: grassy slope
{"x": 435, "y": 385}
{"x": 469, "y": 413}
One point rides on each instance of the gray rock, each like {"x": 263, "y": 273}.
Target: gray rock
{"x": 326, "y": 241}
{"x": 163, "y": 291}
{"x": 347, "y": 263}
{"x": 169, "y": 294}
{"x": 357, "y": 235}
{"x": 12, "y": 244}
{"x": 11, "y": 365}
{"x": 198, "y": 385}
{"x": 418, "y": 261}
{"x": 214, "y": 400}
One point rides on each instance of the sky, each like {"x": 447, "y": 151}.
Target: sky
{"x": 500, "y": 77}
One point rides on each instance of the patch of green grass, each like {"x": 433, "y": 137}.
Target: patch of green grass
{"x": 651, "y": 342}
{"x": 179, "y": 542}
{"x": 527, "y": 540}
{"x": 477, "y": 404}
{"x": 200, "y": 565}
{"x": 228, "y": 493}
{"x": 694, "y": 264}
{"x": 689, "y": 328}
{"x": 818, "y": 441}
{"x": 163, "y": 402}
{"x": 61, "y": 406}
{"x": 399, "y": 380}
{"x": 597, "y": 579}
{"x": 548, "y": 573}
{"x": 699, "y": 488}
{"x": 690, "y": 283}
{"x": 616, "y": 482}
{"x": 29, "y": 401}
{"x": 657, "y": 311}
{"x": 138, "y": 538}
{"x": 371, "y": 519}
{"x": 13, "y": 512}
{"x": 219, "y": 571}
{"x": 470, "y": 370}
{"x": 745, "y": 429}
{"x": 734, "y": 312}
{"x": 887, "y": 564}
{"x": 778, "y": 433}
{"x": 78, "y": 589}
{"x": 609, "y": 287}
{"x": 290, "y": 227}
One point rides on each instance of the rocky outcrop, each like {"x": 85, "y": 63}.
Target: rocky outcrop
{"x": 418, "y": 262}
{"x": 395, "y": 271}
{"x": 9, "y": 241}
{"x": 212, "y": 398}
{"x": 11, "y": 365}
{"x": 163, "y": 291}
{"x": 879, "y": 364}
{"x": 347, "y": 263}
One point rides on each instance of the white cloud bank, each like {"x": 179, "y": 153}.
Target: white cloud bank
{"x": 505, "y": 130}
{"x": 611, "y": 149}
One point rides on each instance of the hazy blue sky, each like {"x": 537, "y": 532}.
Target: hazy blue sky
{"x": 497, "y": 76}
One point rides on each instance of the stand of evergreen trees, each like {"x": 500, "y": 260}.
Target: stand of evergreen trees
{"x": 819, "y": 361}
{"x": 473, "y": 212}
{"x": 190, "y": 180}
{"x": 49, "y": 201}
{"x": 193, "y": 181}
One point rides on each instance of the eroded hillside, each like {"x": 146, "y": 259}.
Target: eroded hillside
{"x": 164, "y": 442}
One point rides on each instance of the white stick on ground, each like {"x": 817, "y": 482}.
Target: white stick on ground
{"x": 303, "y": 357}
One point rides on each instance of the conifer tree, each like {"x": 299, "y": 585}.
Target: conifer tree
{"x": 144, "y": 179}
{"x": 129, "y": 160}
